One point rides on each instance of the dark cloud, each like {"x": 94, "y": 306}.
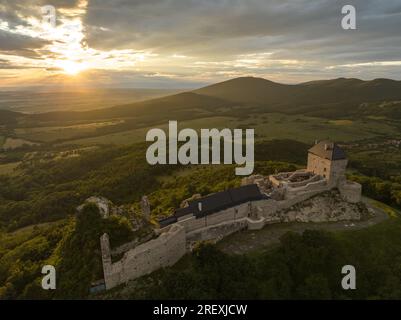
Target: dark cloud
{"x": 220, "y": 27}
{"x": 15, "y": 44}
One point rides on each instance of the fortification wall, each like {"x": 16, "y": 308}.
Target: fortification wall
{"x": 192, "y": 223}
{"x": 164, "y": 251}
{"x": 351, "y": 191}
{"x": 130, "y": 245}
{"x": 313, "y": 178}
{"x": 277, "y": 178}
{"x": 221, "y": 216}
{"x": 265, "y": 207}
{"x": 317, "y": 186}
{"x": 217, "y": 232}
{"x": 285, "y": 204}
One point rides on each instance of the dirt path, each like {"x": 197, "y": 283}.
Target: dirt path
{"x": 247, "y": 241}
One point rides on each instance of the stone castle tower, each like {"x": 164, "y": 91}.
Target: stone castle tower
{"x": 328, "y": 160}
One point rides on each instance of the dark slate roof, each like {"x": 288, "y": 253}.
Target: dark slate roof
{"x": 216, "y": 202}
{"x": 328, "y": 150}
{"x": 227, "y": 199}
{"x": 183, "y": 211}
{"x": 167, "y": 221}
{"x": 212, "y": 203}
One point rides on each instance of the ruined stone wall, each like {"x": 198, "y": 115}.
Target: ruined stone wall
{"x": 191, "y": 223}
{"x": 130, "y": 245}
{"x": 111, "y": 271}
{"x": 317, "y": 186}
{"x": 265, "y": 207}
{"x": 217, "y": 232}
{"x": 270, "y": 210}
{"x": 221, "y": 216}
{"x": 313, "y": 178}
{"x": 298, "y": 198}
{"x": 350, "y": 191}
{"x": 164, "y": 251}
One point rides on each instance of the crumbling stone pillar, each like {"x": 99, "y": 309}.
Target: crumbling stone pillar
{"x": 145, "y": 206}
{"x": 106, "y": 258}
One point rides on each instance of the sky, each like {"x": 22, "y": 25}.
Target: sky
{"x": 190, "y": 43}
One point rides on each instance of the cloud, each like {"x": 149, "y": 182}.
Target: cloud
{"x": 220, "y": 28}
{"x": 20, "y": 45}
{"x": 199, "y": 41}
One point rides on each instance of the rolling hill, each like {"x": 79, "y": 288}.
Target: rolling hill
{"x": 327, "y": 98}
{"x": 305, "y": 97}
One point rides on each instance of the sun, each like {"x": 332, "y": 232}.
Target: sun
{"x": 71, "y": 67}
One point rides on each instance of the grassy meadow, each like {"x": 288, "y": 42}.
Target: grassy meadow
{"x": 268, "y": 126}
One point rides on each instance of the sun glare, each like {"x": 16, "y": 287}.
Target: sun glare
{"x": 71, "y": 67}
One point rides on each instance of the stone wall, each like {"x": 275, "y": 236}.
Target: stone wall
{"x": 130, "y": 245}
{"x": 312, "y": 178}
{"x": 164, "y": 251}
{"x": 351, "y": 191}
{"x": 191, "y": 223}
{"x": 317, "y": 186}
{"x": 217, "y": 232}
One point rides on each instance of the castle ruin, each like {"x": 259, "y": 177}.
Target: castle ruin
{"x": 258, "y": 202}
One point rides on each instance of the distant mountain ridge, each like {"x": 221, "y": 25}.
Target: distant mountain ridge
{"x": 261, "y": 91}
{"x": 324, "y": 98}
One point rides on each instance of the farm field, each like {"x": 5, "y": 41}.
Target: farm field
{"x": 138, "y": 135}
{"x": 268, "y": 126}
{"x": 13, "y": 143}
{"x": 48, "y": 134}
{"x": 9, "y": 168}
{"x": 308, "y": 129}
